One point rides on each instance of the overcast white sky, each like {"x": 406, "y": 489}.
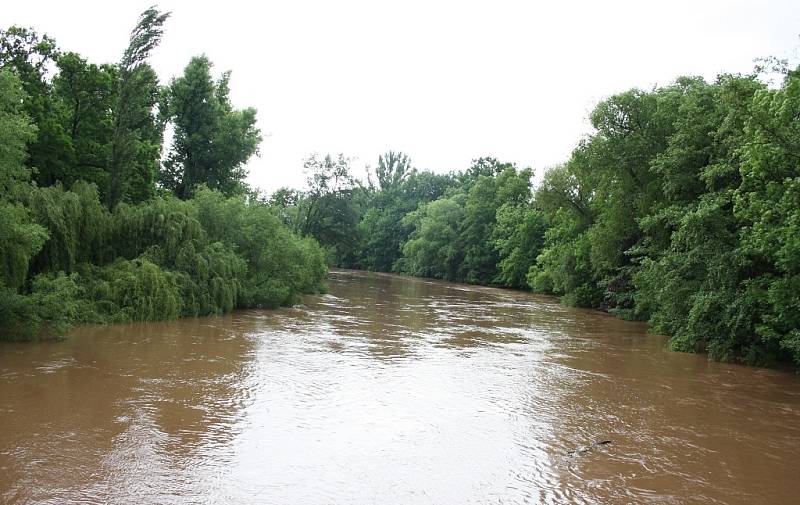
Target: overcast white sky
{"x": 444, "y": 81}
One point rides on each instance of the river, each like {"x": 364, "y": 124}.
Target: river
{"x": 391, "y": 390}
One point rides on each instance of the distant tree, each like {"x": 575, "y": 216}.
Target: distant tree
{"x": 433, "y": 249}
{"x": 330, "y": 208}
{"x": 486, "y": 166}
{"x": 518, "y": 239}
{"x": 212, "y": 140}
{"x": 382, "y": 228}
{"x": 485, "y": 196}
{"x": 393, "y": 168}
{"x": 286, "y": 204}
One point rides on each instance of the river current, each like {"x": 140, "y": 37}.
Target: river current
{"x": 391, "y": 390}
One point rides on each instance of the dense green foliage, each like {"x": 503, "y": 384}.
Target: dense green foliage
{"x": 86, "y": 235}
{"x": 212, "y": 140}
{"x": 682, "y": 208}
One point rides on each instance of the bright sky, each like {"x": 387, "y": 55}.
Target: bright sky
{"x": 443, "y": 81}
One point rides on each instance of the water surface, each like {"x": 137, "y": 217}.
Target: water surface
{"x": 391, "y": 390}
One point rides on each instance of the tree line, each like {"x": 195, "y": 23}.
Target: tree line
{"x": 94, "y": 227}
{"x": 681, "y": 208}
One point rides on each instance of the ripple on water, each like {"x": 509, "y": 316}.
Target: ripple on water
{"x": 391, "y": 390}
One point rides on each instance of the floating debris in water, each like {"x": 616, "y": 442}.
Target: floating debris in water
{"x": 586, "y": 448}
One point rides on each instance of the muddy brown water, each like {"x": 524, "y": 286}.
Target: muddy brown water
{"x": 391, "y": 390}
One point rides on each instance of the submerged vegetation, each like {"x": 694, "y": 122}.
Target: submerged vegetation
{"x": 86, "y": 232}
{"x": 681, "y": 208}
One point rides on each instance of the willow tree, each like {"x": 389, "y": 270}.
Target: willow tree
{"x": 212, "y": 140}
{"x": 20, "y": 238}
{"x": 136, "y": 142}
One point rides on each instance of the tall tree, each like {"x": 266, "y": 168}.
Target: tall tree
{"x": 136, "y": 142}
{"x": 212, "y": 140}
{"x": 87, "y": 93}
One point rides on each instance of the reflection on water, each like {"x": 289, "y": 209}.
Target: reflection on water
{"x": 391, "y": 390}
